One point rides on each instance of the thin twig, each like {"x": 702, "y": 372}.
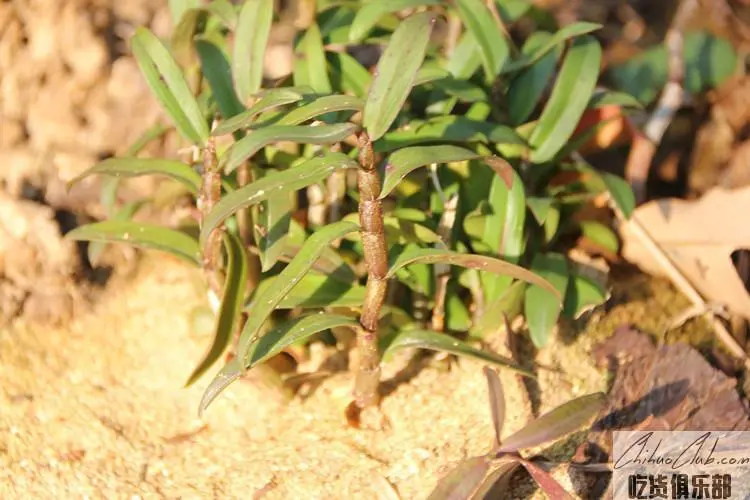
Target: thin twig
{"x": 681, "y": 282}
{"x": 443, "y": 271}
{"x": 645, "y": 144}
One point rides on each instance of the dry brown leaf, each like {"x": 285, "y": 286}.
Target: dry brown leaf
{"x": 699, "y": 237}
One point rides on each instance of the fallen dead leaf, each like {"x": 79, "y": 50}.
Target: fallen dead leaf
{"x": 699, "y": 237}
{"x": 668, "y": 387}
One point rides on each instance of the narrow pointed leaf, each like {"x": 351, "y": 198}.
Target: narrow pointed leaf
{"x": 231, "y": 372}
{"x": 268, "y": 301}
{"x": 181, "y": 43}
{"x": 224, "y": 10}
{"x": 582, "y": 295}
{"x": 232, "y": 299}
{"x": 348, "y": 75}
{"x": 370, "y": 13}
{"x": 604, "y": 97}
{"x": 406, "y": 160}
{"x": 134, "y": 167}
{"x": 126, "y": 212}
{"x": 314, "y": 291}
{"x": 330, "y": 262}
{"x": 274, "y": 218}
{"x": 570, "y": 96}
{"x": 310, "y": 172}
{"x": 137, "y": 234}
{"x": 461, "y": 482}
{"x": 216, "y": 69}
{"x": 500, "y": 470}
{"x": 504, "y": 225}
{"x": 321, "y": 106}
{"x": 395, "y": 73}
{"x": 441, "y": 342}
{"x": 310, "y": 62}
{"x": 466, "y": 58}
{"x": 287, "y": 280}
{"x": 563, "y": 420}
{"x": 459, "y": 129}
{"x": 251, "y": 38}
{"x": 621, "y": 193}
{"x": 566, "y": 33}
{"x": 546, "y": 482}
{"x": 509, "y": 304}
{"x": 527, "y": 88}
{"x": 251, "y": 144}
{"x": 273, "y": 98}
{"x": 177, "y": 8}
{"x": 480, "y": 262}
{"x": 480, "y": 22}
{"x": 430, "y": 73}
{"x": 540, "y": 308}
{"x": 165, "y": 79}
{"x": 290, "y": 332}
{"x": 497, "y": 401}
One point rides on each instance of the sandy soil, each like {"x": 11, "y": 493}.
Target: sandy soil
{"x": 96, "y": 409}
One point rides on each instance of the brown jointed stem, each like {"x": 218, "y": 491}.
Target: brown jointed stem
{"x": 376, "y": 261}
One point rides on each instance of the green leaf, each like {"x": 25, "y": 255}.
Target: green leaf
{"x": 266, "y": 303}
{"x": 166, "y": 81}
{"x": 310, "y": 172}
{"x": 251, "y": 38}
{"x": 539, "y": 208}
{"x": 430, "y": 73}
{"x": 230, "y": 309}
{"x": 370, "y": 13}
{"x": 582, "y": 295}
{"x": 570, "y": 96}
{"x": 437, "y": 341}
{"x": 601, "y": 235}
{"x": 140, "y": 235}
{"x": 463, "y": 480}
{"x": 315, "y": 291}
{"x": 481, "y": 23}
{"x": 527, "y": 88}
{"x": 134, "y": 167}
{"x": 540, "y": 308}
{"x": 569, "y": 31}
{"x": 403, "y": 231}
{"x": 125, "y": 213}
{"x": 433, "y": 255}
{"x": 348, "y": 75}
{"x": 272, "y": 98}
{"x": 177, "y": 8}
{"x": 466, "y": 57}
{"x": 406, "y": 160}
{"x": 216, "y": 70}
{"x": 330, "y": 262}
{"x": 293, "y": 331}
{"x": 561, "y": 421}
{"x": 448, "y": 129}
{"x": 509, "y": 304}
{"x": 310, "y": 62}
{"x": 462, "y": 90}
{"x": 708, "y": 62}
{"x": 224, "y": 10}
{"x": 395, "y": 73}
{"x": 274, "y": 218}
{"x": 604, "y": 97}
{"x": 252, "y": 143}
{"x": 621, "y": 193}
{"x": 504, "y": 225}
{"x": 181, "y": 43}
{"x": 321, "y": 106}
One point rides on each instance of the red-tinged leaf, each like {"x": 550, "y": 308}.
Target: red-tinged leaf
{"x": 559, "y": 422}
{"x": 546, "y": 482}
{"x": 497, "y": 402}
{"x": 462, "y": 481}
